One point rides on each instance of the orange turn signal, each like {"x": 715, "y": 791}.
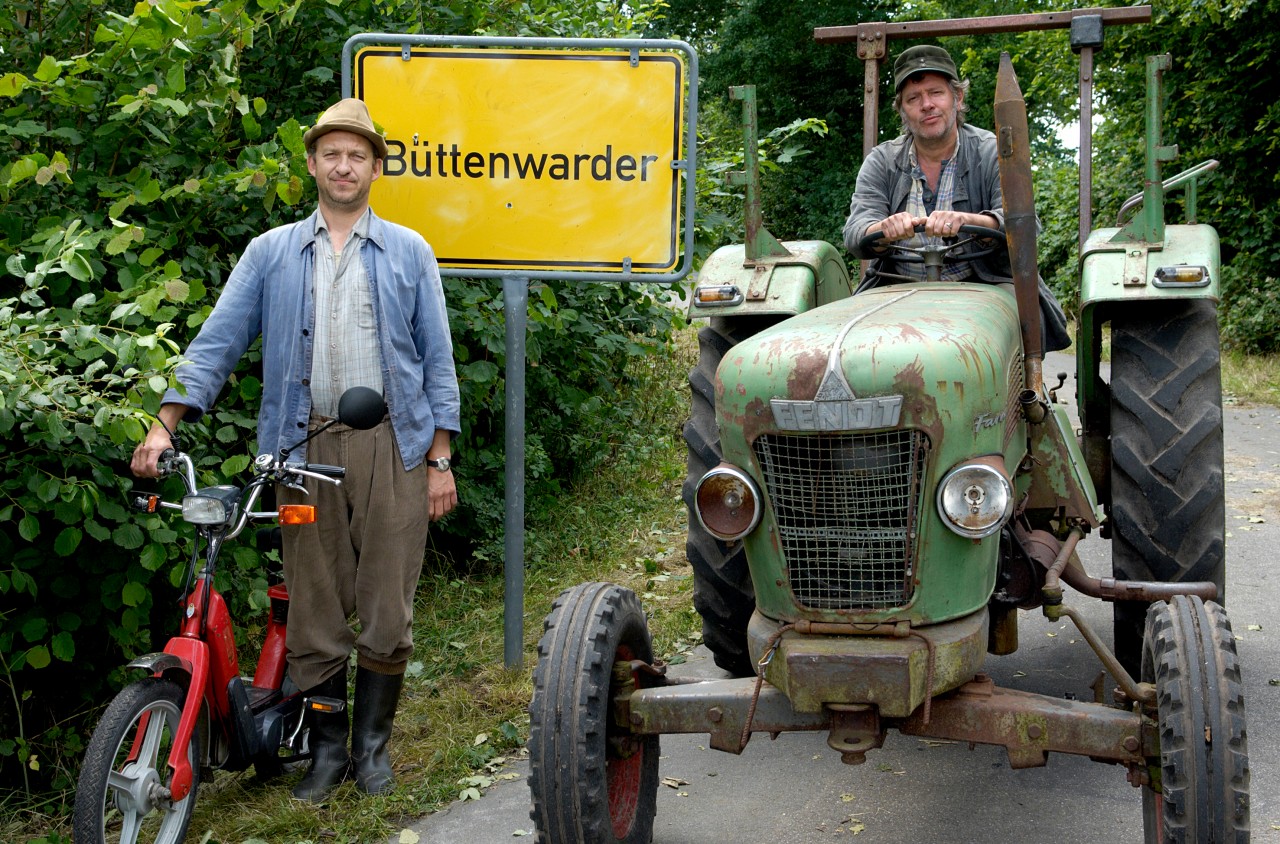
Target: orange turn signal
{"x": 297, "y": 514}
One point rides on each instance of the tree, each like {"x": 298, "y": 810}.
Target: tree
{"x": 1219, "y": 105}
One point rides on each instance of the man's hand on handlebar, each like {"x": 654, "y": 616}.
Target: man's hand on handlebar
{"x": 146, "y": 457}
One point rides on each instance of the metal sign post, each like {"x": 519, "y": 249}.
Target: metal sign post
{"x": 515, "y": 303}
{"x": 534, "y": 158}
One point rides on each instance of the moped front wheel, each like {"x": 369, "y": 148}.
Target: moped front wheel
{"x": 123, "y": 793}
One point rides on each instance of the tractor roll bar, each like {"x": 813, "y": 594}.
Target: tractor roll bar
{"x": 873, "y": 38}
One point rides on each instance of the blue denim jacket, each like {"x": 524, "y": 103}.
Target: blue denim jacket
{"x": 269, "y": 293}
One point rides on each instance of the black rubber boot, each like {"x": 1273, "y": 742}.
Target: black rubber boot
{"x": 376, "y": 699}
{"x": 327, "y": 740}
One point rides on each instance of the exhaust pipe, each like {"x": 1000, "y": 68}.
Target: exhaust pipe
{"x": 1014, "y": 145}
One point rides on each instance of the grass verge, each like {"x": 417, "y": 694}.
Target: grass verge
{"x": 1250, "y": 379}
{"x": 462, "y": 714}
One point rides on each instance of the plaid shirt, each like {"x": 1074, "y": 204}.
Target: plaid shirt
{"x": 346, "y": 350}
{"x": 919, "y": 205}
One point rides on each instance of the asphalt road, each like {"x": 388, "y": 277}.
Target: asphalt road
{"x": 795, "y": 790}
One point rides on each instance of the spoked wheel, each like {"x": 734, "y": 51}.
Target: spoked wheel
{"x": 592, "y": 779}
{"x": 1201, "y": 793}
{"x": 123, "y": 791}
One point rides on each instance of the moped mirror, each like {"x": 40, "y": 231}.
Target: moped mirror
{"x": 361, "y": 408}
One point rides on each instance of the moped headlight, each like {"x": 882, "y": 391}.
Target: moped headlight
{"x": 975, "y": 499}
{"x": 215, "y": 505}
{"x": 727, "y": 503}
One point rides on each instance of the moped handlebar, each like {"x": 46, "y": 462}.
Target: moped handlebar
{"x": 173, "y": 462}
{"x": 328, "y": 471}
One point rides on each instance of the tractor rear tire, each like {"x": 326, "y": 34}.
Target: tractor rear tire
{"x": 593, "y": 781}
{"x": 1203, "y": 790}
{"x": 722, "y": 591}
{"x": 1167, "y": 498}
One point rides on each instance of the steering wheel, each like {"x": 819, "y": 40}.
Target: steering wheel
{"x": 935, "y": 253}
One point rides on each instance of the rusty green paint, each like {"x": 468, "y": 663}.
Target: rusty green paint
{"x": 1058, "y": 479}
{"x": 891, "y": 673}
{"x": 901, "y": 340}
{"x": 810, "y": 275}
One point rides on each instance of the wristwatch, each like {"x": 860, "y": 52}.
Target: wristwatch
{"x": 440, "y": 464}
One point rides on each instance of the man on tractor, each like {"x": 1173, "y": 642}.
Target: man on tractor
{"x": 940, "y": 174}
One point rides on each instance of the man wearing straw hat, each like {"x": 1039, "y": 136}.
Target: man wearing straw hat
{"x": 341, "y": 299}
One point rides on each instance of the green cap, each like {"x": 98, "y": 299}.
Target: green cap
{"x": 923, "y": 58}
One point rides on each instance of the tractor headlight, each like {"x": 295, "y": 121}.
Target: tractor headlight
{"x": 975, "y": 499}
{"x": 727, "y": 503}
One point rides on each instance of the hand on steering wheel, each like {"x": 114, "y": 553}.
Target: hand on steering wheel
{"x": 994, "y": 238}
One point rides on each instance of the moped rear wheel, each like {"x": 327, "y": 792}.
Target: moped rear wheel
{"x": 593, "y": 781}
{"x": 122, "y": 795}
{"x": 1199, "y": 789}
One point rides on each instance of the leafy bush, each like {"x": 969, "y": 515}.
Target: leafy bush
{"x": 141, "y": 151}
{"x": 1250, "y": 309}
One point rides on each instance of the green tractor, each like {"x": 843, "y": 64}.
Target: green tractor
{"x": 879, "y": 482}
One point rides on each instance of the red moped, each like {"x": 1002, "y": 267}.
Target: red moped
{"x": 194, "y": 710}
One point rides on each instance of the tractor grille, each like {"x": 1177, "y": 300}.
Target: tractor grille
{"x": 846, "y": 507}
{"x": 1012, "y": 413}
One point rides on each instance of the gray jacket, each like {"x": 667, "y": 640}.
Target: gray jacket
{"x": 884, "y": 183}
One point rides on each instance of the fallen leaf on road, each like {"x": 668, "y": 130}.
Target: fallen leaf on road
{"x": 408, "y": 836}
{"x": 847, "y": 798}
{"x": 673, "y": 782}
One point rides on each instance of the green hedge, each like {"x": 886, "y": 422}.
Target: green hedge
{"x": 140, "y": 149}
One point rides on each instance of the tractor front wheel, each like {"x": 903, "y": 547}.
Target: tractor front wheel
{"x": 1201, "y": 792}
{"x": 593, "y": 781}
